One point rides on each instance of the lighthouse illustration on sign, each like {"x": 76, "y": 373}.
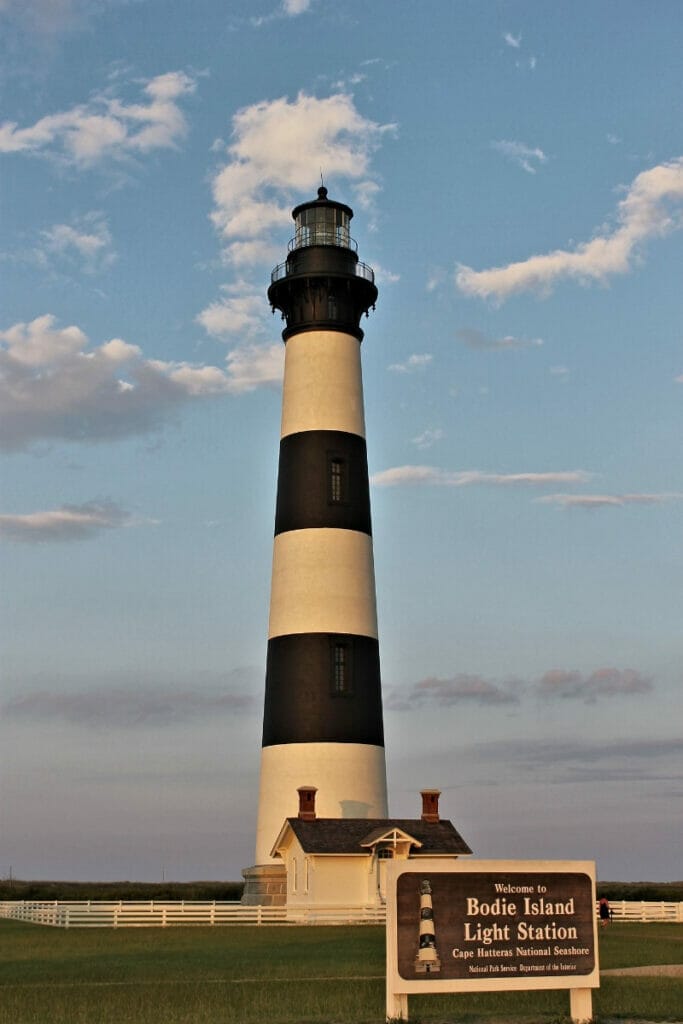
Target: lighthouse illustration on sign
{"x": 427, "y": 959}
{"x": 322, "y": 723}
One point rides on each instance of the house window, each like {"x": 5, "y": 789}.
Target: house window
{"x": 341, "y": 668}
{"x": 306, "y": 874}
{"x": 295, "y": 880}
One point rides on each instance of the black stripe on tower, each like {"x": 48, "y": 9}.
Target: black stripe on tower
{"x": 323, "y": 482}
{"x": 323, "y": 687}
{"x": 317, "y": 300}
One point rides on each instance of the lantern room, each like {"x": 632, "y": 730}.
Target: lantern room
{"x": 322, "y": 222}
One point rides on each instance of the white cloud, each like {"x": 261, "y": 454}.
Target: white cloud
{"x": 54, "y": 385}
{"x": 45, "y": 16}
{"x": 70, "y": 522}
{"x": 293, "y": 7}
{"x": 524, "y": 156}
{"x": 251, "y": 252}
{"x": 384, "y": 276}
{"x": 433, "y": 476}
{"x": 603, "y": 682}
{"x": 428, "y": 438}
{"x": 62, "y": 237}
{"x": 343, "y": 84}
{"x": 436, "y": 277}
{"x": 52, "y": 17}
{"x": 241, "y": 314}
{"x": 410, "y": 475}
{"x": 446, "y": 693}
{"x": 286, "y": 9}
{"x": 128, "y": 707}
{"x": 104, "y": 128}
{"x": 514, "y": 41}
{"x": 594, "y": 501}
{"x": 555, "y": 684}
{"x": 417, "y": 361}
{"x": 255, "y": 366}
{"x": 559, "y": 371}
{"x": 650, "y": 209}
{"x": 478, "y": 340}
{"x": 278, "y": 150}
{"x": 275, "y": 157}
{"x": 366, "y": 192}
{"x": 86, "y": 242}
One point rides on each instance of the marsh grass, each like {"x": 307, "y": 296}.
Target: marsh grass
{"x": 282, "y": 975}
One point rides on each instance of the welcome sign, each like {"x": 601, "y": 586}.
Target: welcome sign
{"x": 484, "y": 925}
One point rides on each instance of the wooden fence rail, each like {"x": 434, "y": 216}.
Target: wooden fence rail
{"x": 124, "y": 914}
{"x": 644, "y": 910}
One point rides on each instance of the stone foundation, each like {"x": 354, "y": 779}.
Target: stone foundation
{"x": 265, "y": 885}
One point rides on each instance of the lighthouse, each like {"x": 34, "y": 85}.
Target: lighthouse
{"x": 322, "y": 721}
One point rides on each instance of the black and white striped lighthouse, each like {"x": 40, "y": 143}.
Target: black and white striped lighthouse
{"x": 322, "y": 725}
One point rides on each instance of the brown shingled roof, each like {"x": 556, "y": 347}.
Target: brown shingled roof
{"x": 346, "y": 835}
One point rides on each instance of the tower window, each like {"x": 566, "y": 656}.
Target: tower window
{"x": 337, "y": 480}
{"x": 341, "y": 668}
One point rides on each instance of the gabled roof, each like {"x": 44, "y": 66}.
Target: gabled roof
{"x": 389, "y": 834}
{"x": 358, "y": 835}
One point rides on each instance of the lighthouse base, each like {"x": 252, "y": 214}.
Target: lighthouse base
{"x": 265, "y": 885}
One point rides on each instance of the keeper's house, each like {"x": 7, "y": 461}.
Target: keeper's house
{"x": 342, "y": 861}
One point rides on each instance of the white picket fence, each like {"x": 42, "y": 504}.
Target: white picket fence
{"x": 642, "y": 910}
{"x": 123, "y": 914}
{"x": 99, "y": 914}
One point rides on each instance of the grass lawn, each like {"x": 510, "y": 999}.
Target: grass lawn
{"x": 283, "y": 975}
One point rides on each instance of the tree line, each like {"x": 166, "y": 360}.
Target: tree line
{"x": 162, "y": 892}
{"x": 17, "y": 889}
{"x": 669, "y": 892}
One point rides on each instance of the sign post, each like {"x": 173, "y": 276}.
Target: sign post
{"x": 484, "y": 925}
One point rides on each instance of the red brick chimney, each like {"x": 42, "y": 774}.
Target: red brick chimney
{"x": 307, "y": 802}
{"x": 430, "y": 804}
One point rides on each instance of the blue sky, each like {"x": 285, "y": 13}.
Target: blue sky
{"x": 516, "y": 174}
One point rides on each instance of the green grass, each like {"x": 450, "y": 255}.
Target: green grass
{"x": 635, "y": 945}
{"x": 283, "y": 975}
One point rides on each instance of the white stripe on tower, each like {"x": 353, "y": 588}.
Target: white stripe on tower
{"x": 323, "y": 712}
{"x": 323, "y": 383}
